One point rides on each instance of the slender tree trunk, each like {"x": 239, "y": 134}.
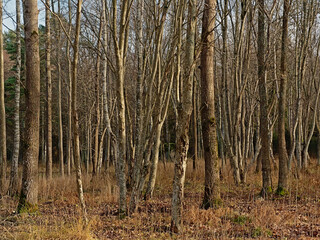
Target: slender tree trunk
{"x": 49, "y": 94}
{"x": 14, "y": 178}
{"x": 211, "y": 189}
{"x": 282, "y": 149}
{"x": 29, "y": 191}
{"x": 75, "y": 117}
{"x": 104, "y": 83}
{"x": 265, "y": 159}
{"x": 120, "y": 44}
{"x": 96, "y": 134}
{"x": 154, "y": 162}
{"x": 318, "y": 145}
{"x": 58, "y": 31}
{"x": 183, "y": 120}
{"x": 69, "y": 141}
{"x": 195, "y": 126}
{"x": 3, "y": 141}
{"x": 139, "y": 49}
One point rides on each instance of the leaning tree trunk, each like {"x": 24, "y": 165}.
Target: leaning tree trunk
{"x": 265, "y": 159}
{"x": 3, "y": 134}
{"x": 14, "y": 178}
{"x": 210, "y": 144}
{"x": 29, "y": 191}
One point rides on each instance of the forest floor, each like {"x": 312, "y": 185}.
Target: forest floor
{"x": 243, "y": 215}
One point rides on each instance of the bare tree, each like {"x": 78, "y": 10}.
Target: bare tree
{"x": 69, "y": 139}
{"x": 184, "y": 113}
{"x": 14, "y": 178}
{"x": 283, "y": 156}
{"x": 212, "y": 189}
{"x": 120, "y": 40}
{"x": 75, "y": 117}
{"x": 29, "y": 191}
{"x": 3, "y": 141}
{"x": 57, "y": 30}
{"x": 49, "y": 94}
{"x": 265, "y": 159}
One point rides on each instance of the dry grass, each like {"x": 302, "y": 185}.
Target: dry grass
{"x": 243, "y": 214}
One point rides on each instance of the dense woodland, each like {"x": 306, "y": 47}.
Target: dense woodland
{"x": 136, "y": 119}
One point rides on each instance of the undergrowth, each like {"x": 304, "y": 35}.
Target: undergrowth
{"x": 243, "y": 214}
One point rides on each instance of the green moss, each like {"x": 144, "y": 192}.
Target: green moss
{"x": 218, "y": 202}
{"x": 282, "y": 192}
{"x": 28, "y": 208}
{"x": 268, "y": 233}
{"x": 242, "y": 220}
{"x": 215, "y": 203}
{"x": 122, "y": 214}
{"x": 265, "y": 192}
{"x": 257, "y": 232}
{"x": 212, "y": 120}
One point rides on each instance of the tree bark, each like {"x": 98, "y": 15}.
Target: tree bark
{"x": 14, "y": 178}
{"x": 75, "y": 118}
{"x": 210, "y": 144}
{"x": 29, "y": 191}
{"x": 69, "y": 140}
{"x": 58, "y": 31}
{"x": 96, "y": 134}
{"x": 282, "y": 149}
{"x": 3, "y": 137}
{"x": 120, "y": 44}
{"x": 265, "y": 159}
{"x": 184, "y": 114}
{"x": 49, "y": 94}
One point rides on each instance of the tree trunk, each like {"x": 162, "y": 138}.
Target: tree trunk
{"x": 211, "y": 189}
{"x": 29, "y": 191}
{"x": 58, "y": 31}
{"x": 195, "y": 126}
{"x": 282, "y": 149}
{"x": 75, "y": 118}
{"x": 184, "y": 114}
{"x": 120, "y": 44}
{"x": 14, "y": 178}
{"x": 154, "y": 162}
{"x": 69, "y": 141}
{"x": 96, "y": 134}
{"x": 3, "y": 137}
{"x": 49, "y": 94}
{"x": 265, "y": 159}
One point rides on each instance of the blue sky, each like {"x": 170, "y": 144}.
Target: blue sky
{"x": 10, "y": 12}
